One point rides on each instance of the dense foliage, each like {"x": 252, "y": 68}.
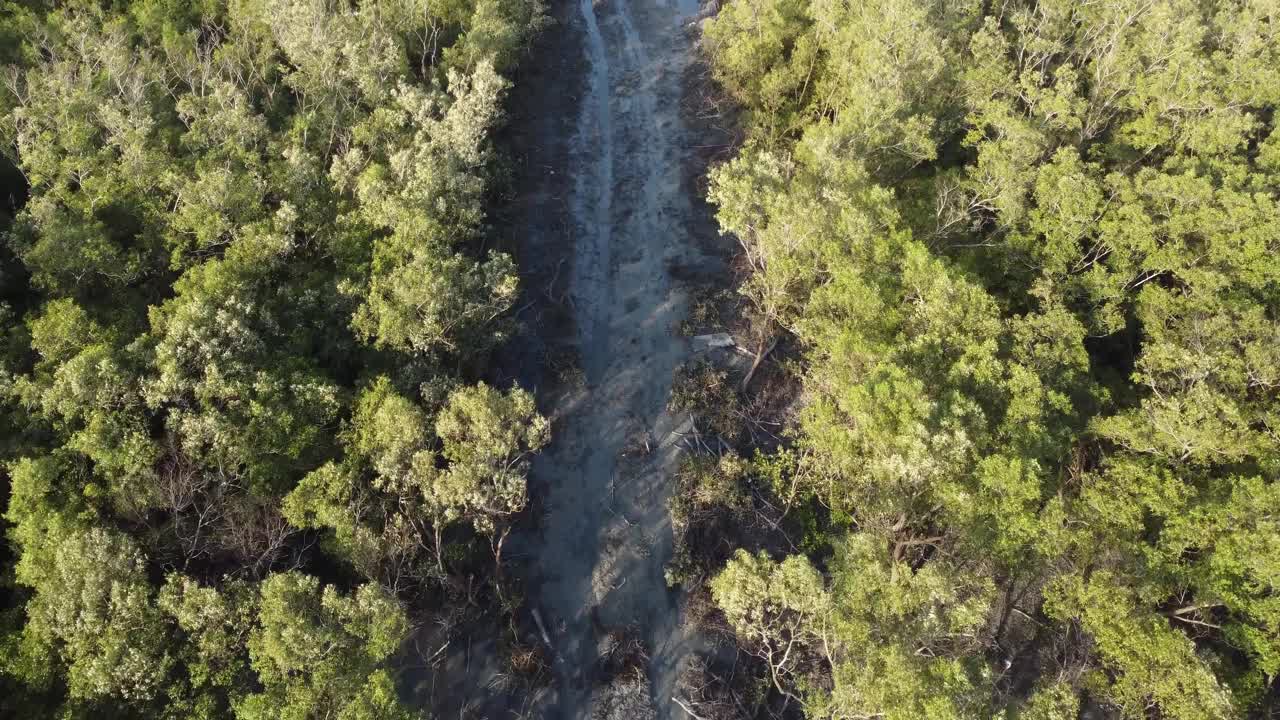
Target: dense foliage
{"x": 246, "y": 303}
{"x": 1031, "y": 251}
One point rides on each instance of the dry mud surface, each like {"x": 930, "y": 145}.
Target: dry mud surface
{"x": 629, "y": 214}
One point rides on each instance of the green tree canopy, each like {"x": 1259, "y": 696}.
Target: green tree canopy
{"x": 248, "y": 272}
{"x": 1028, "y": 251}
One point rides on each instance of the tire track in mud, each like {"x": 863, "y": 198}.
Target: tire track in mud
{"x": 606, "y": 534}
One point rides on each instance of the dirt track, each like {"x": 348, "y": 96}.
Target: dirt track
{"x": 603, "y": 211}
{"x": 606, "y": 534}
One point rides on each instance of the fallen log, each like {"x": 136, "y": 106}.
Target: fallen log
{"x": 761, "y": 354}
{"x": 537, "y": 618}
{"x": 713, "y": 340}
{"x": 688, "y": 710}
